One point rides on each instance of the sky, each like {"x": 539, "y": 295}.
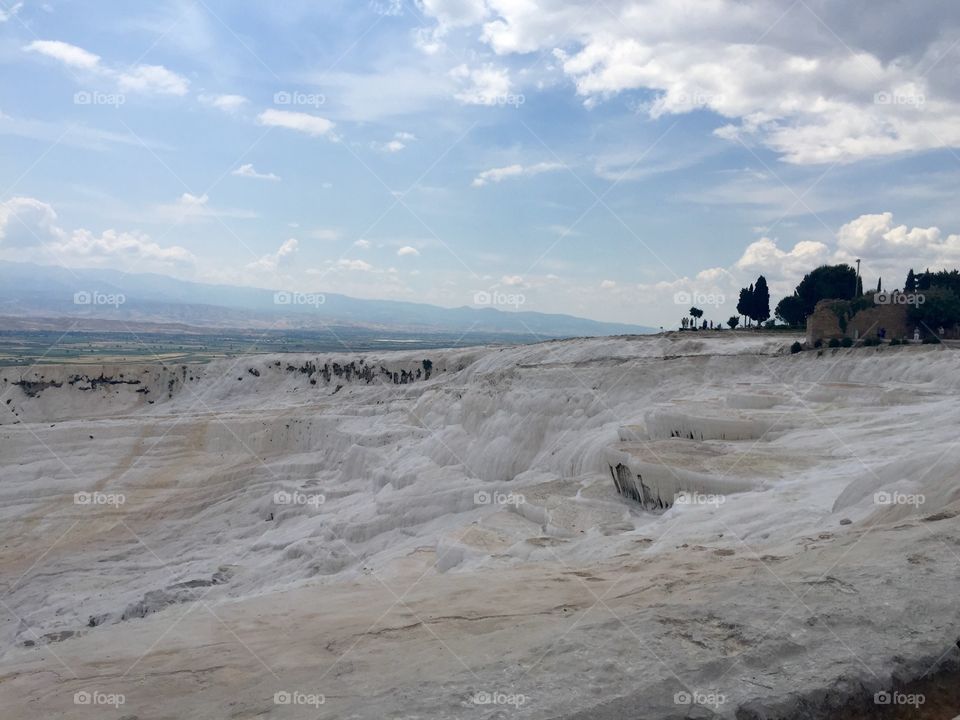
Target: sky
{"x": 613, "y": 159}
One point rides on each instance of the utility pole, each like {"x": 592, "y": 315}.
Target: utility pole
{"x": 856, "y": 282}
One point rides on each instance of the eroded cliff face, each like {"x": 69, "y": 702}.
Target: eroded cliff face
{"x": 596, "y": 526}
{"x": 58, "y": 392}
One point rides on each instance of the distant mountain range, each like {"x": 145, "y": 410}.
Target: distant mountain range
{"x": 35, "y": 294}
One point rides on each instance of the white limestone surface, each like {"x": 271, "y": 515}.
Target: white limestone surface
{"x": 209, "y": 541}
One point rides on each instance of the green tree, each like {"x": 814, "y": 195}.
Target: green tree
{"x": 827, "y": 282}
{"x": 745, "y": 303}
{"x": 696, "y": 313}
{"x": 911, "y": 284}
{"x": 790, "y": 310}
{"x": 940, "y": 307}
{"x": 760, "y": 302}
{"x": 733, "y": 321}
{"x": 943, "y": 278}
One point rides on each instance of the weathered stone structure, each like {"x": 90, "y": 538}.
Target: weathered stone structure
{"x": 825, "y": 323}
{"x": 891, "y": 318}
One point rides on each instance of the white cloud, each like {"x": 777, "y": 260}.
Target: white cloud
{"x": 66, "y": 53}
{"x": 454, "y": 13}
{"x": 11, "y": 12}
{"x": 813, "y": 80}
{"x": 497, "y": 174}
{"x": 485, "y": 85}
{"x": 407, "y": 251}
{"x": 763, "y": 255}
{"x": 153, "y": 79}
{"x": 398, "y": 143}
{"x": 354, "y": 265}
{"x": 147, "y": 79}
{"x": 512, "y": 280}
{"x": 450, "y": 14}
{"x": 278, "y": 260}
{"x": 29, "y": 230}
{"x": 227, "y": 103}
{"x": 190, "y": 200}
{"x": 26, "y": 221}
{"x": 885, "y": 249}
{"x": 301, "y": 122}
{"x": 361, "y": 243}
{"x": 247, "y": 171}
{"x": 876, "y": 235}
{"x": 189, "y": 207}
{"x": 129, "y": 249}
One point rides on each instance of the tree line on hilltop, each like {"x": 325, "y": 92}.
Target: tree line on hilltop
{"x": 940, "y": 306}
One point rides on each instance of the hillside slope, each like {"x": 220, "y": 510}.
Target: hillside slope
{"x": 441, "y": 534}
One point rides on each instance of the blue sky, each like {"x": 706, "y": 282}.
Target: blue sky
{"x": 598, "y": 158}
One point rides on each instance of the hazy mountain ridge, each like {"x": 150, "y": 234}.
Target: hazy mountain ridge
{"x": 40, "y": 291}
